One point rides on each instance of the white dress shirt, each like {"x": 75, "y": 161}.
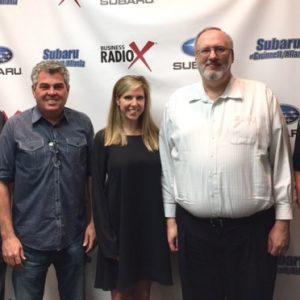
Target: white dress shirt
{"x": 226, "y": 158}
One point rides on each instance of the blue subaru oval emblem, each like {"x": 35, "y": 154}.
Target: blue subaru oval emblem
{"x": 5, "y": 55}
{"x": 291, "y": 113}
{"x": 188, "y": 47}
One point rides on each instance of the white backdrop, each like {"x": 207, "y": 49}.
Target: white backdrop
{"x": 100, "y": 39}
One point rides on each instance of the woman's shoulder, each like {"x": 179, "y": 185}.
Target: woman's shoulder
{"x": 100, "y": 136}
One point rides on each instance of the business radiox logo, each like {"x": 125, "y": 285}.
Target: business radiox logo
{"x": 276, "y": 48}
{"x": 76, "y": 1}
{"x": 8, "y": 2}
{"x": 121, "y": 53}
{"x": 70, "y": 57}
{"x": 6, "y": 55}
{"x": 125, "y": 2}
{"x": 189, "y": 49}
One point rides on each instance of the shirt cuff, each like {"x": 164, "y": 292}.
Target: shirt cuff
{"x": 170, "y": 210}
{"x": 284, "y": 212}
{"x": 6, "y": 178}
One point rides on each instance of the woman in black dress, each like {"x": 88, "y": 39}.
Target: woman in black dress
{"x": 127, "y": 199}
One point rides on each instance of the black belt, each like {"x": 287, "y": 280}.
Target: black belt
{"x": 224, "y": 222}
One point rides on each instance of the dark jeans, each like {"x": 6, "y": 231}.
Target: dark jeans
{"x": 226, "y": 258}
{"x": 29, "y": 281}
{"x": 2, "y": 276}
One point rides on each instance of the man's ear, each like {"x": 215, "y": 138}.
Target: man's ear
{"x": 33, "y": 89}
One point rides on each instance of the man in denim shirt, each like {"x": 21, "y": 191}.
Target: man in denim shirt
{"x": 45, "y": 167}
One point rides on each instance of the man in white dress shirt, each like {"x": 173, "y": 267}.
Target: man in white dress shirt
{"x": 226, "y": 179}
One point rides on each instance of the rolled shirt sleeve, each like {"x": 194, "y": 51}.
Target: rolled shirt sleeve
{"x": 281, "y": 162}
{"x": 168, "y": 179}
{"x": 7, "y": 153}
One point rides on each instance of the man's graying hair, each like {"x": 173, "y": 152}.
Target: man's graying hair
{"x": 214, "y": 28}
{"x": 51, "y": 67}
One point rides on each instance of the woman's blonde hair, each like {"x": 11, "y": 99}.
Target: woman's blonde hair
{"x": 114, "y": 133}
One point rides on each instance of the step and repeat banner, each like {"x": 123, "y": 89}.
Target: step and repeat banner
{"x": 102, "y": 40}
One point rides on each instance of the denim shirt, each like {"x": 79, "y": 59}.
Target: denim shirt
{"x": 49, "y": 166}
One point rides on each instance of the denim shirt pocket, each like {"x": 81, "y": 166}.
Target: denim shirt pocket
{"x": 31, "y": 154}
{"x": 77, "y": 150}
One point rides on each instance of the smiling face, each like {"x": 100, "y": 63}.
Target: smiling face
{"x": 132, "y": 105}
{"x": 214, "y": 55}
{"x": 51, "y": 93}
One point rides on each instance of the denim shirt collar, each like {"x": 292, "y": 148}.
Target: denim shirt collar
{"x": 37, "y": 115}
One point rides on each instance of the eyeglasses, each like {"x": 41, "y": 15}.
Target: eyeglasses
{"x": 219, "y": 51}
{"x": 54, "y": 150}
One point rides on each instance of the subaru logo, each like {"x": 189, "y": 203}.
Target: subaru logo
{"x": 291, "y": 113}
{"x": 188, "y": 47}
{"x": 5, "y": 55}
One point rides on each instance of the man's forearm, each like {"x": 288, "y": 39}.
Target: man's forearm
{"x": 6, "y": 223}
{"x": 89, "y": 200}
{"x": 297, "y": 182}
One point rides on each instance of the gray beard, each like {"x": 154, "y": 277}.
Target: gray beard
{"x": 214, "y": 75}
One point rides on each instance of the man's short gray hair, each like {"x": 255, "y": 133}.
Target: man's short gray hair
{"x": 51, "y": 67}
{"x": 213, "y": 28}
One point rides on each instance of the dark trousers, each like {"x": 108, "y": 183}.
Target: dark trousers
{"x": 2, "y": 276}
{"x": 226, "y": 258}
{"x": 29, "y": 281}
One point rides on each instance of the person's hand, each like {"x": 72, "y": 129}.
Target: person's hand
{"x": 116, "y": 258}
{"x": 279, "y": 237}
{"x": 172, "y": 234}
{"x": 12, "y": 251}
{"x": 89, "y": 237}
{"x": 296, "y": 190}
